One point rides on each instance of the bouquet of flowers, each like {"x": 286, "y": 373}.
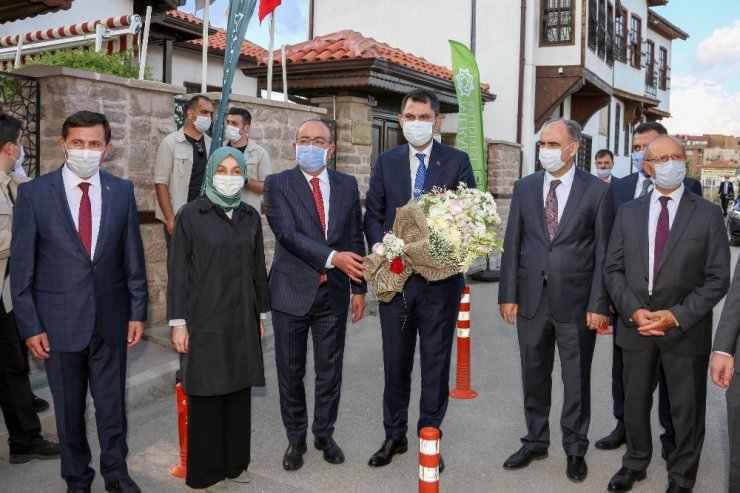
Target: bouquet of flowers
{"x": 438, "y": 236}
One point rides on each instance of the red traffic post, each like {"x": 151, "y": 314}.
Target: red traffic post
{"x": 179, "y": 470}
{"x": 429, "y": 460}
{"x": 462, "y": 388}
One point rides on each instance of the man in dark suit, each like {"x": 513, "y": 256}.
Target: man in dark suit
{"x": 626, "y": 189}
{"x": 726, "y": 193}
{"x": 427, "y": 308}
{"x": 80, "y": 295}
{"x": 667, "y": 266}
{"x": 722, "y": 368}
{"x": 552, "y": 289}
{"x": 316, "y": 217}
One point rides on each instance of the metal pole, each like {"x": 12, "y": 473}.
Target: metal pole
{"x": 270, "y": 54}
{"x": 145, "y": 45}
{"x": 472, "y": 26}
{"x": 17, "y": 62}
{"x": 204, "y": 61}
{"x": 285, "y": 73}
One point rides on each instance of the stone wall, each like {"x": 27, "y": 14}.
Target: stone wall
{"x": 504, "y": 165}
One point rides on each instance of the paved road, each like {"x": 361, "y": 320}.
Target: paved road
{"x": 478, "y": 434}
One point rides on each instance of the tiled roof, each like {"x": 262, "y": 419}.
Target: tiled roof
{"x": 349, "y": 44}
{"x": 217, "y": 41}
{"x": 721, "y": 164}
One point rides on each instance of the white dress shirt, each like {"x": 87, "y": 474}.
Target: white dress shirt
{"x": 653, "y": 225}
{"x": 638, "y": 189}
{"x": 74, "y": 197}
{"x": 325, "y": 193}
{"x": 725, "y": 187}
{"x": 562, "y": 192}
{"x": 414, "y": 162}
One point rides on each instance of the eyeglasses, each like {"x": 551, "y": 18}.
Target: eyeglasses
{"x": 666, "y": 158}
{"x": 319, "y": 141}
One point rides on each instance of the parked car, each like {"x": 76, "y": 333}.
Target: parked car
{"x": 733, "y": 223}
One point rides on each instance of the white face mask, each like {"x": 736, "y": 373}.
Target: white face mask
{"x": 83, "y": 162}
{"x": 21, "y": 158}
{"x": 550, "y": 159}
{"x": 670, "y": 174}
{"x": 232, "y": 133}
{"x": 603, "y": 173}
{"x": 228, "y": 186}
{"x": 202, "y": 123}
{"x": 418, "y": 133}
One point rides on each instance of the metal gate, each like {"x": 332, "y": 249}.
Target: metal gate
{"x": 20, "y": 97}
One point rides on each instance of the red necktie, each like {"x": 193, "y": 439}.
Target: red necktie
{"x": 319, "y": 199}
{"x": 661, "y": 234}
{"x": 84, "y": 222}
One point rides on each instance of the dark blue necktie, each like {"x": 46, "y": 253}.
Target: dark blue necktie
{"x": 421, "y": 173}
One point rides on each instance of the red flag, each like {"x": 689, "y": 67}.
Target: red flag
{"x": 266, "y": 8}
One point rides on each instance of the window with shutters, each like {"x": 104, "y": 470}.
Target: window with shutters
{"x": 620, "y": 36}
{"x": 557, "y": 23}
{"x": 635, "y": 41}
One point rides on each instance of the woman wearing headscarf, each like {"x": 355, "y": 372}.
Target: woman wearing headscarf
{"x": 216, "y": 298}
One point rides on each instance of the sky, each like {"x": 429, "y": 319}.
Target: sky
{"x": 705, "y": 69}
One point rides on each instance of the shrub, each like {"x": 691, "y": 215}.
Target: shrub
{"x": 86, "y": 58}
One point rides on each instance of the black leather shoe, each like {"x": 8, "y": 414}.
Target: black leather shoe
{"x": 576, "y": 470}
{"x": 123, "y": 485}
{"x": 441, "y": 465}
{"x": 674, "y": 488}
{"x": 293, "y": 458}
{"x": 624, "y": 479}
{"x": 389, "y": 448}
{"x": 613, "y": 440}
{"x": 39, "y": 404}
{"x": 42, "y": 449}
{"x": 77, "y": 489}
{"x": 332, "y": 452}
{"x": 522, "y": 457}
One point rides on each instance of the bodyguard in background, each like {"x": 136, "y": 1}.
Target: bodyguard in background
{"x": 552, "y": 288}
{"x": 80, "y": 295}
{"x": 726, "y": 193}
{"x": 316, "y": 217}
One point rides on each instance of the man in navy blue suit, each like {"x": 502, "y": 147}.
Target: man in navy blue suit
{"x": 80, "y": 295}
{"x": 427, "y": 308}
{"x": 316, "y": 217}
{"x": 626, "y": 189}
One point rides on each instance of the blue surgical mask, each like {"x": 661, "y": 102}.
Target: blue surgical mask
{"x": 670, "y": 174}
{"x": 310, "y": 158}
{"x": 637, "y": 158}
{"x": 603, "y": 172}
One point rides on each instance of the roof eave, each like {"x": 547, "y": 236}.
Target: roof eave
{"x": 663, "y": 26}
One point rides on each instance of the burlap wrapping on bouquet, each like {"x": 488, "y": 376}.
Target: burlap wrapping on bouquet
{"x": 411, "y": 227}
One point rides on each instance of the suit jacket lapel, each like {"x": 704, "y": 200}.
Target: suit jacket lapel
{"x": 335, "y": 200}
{"x": 577, "y": 189}
{"x": 305, "y": 194}
{"x": 434, "y": 167}
{"x": 106, "y": 205}
{"x": 642, "y": 227}
{"x": 403, "y": 172}
{"x": 59, "y": 196}
{"x": 683, "y": 214}
{"x": 539, "y": 182}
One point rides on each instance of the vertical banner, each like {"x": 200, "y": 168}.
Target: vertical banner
{"x": 240, "y": 11}
{"x": 470, "y": 115}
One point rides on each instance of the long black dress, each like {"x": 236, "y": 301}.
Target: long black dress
{"x": 218, "y": 284}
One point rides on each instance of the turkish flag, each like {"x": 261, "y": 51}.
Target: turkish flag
{"x": 266, "y": 7}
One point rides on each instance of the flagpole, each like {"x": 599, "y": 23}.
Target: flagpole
{"x": 285, "y": 72}
{"x": 204, "y": 61}
{"x": 142, "y": 55}
{"x": 269, "y": 50}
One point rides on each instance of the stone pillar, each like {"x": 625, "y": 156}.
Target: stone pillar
{"x": 504, "y": 165}
{"x": 354, "y": 118}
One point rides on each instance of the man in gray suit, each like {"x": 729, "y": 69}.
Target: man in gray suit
{"x": 667, "y": 266}
{"x": 552, "y": 288}
{"x": 722, "y": 369}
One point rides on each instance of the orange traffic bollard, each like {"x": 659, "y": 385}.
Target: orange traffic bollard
{"x": 462, "y": 388}
{"x": 179, "y": 469}
{"x": 429, "y": 460}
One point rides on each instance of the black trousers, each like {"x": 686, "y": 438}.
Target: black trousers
{"x": 664, "y": 406}
{"x": 429, "y": 310}
{"x": 686, "y": 381}
{"x": 575, "y": 342}
{"x": 725, "y": 201}
{"x": 291, "y": 343}
{"x": 24, "y": 427}
{"x": 733, "y": 421}
{"x": 219, "y": 437}
{"x": 102, "y": 367}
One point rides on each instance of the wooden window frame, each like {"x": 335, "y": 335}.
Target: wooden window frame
{"x": 620, "y": 38}
{"x": 610, "y": 34}
{"x": 663, "y": 68}
{"x": 635, "y": 42}
{"x": 593, "y": 25}
{"x": 617, "y": 127}
{"x": 545, "y": 9}
{"x": 601, "y": 31}
{"x": 650, "y": 65}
